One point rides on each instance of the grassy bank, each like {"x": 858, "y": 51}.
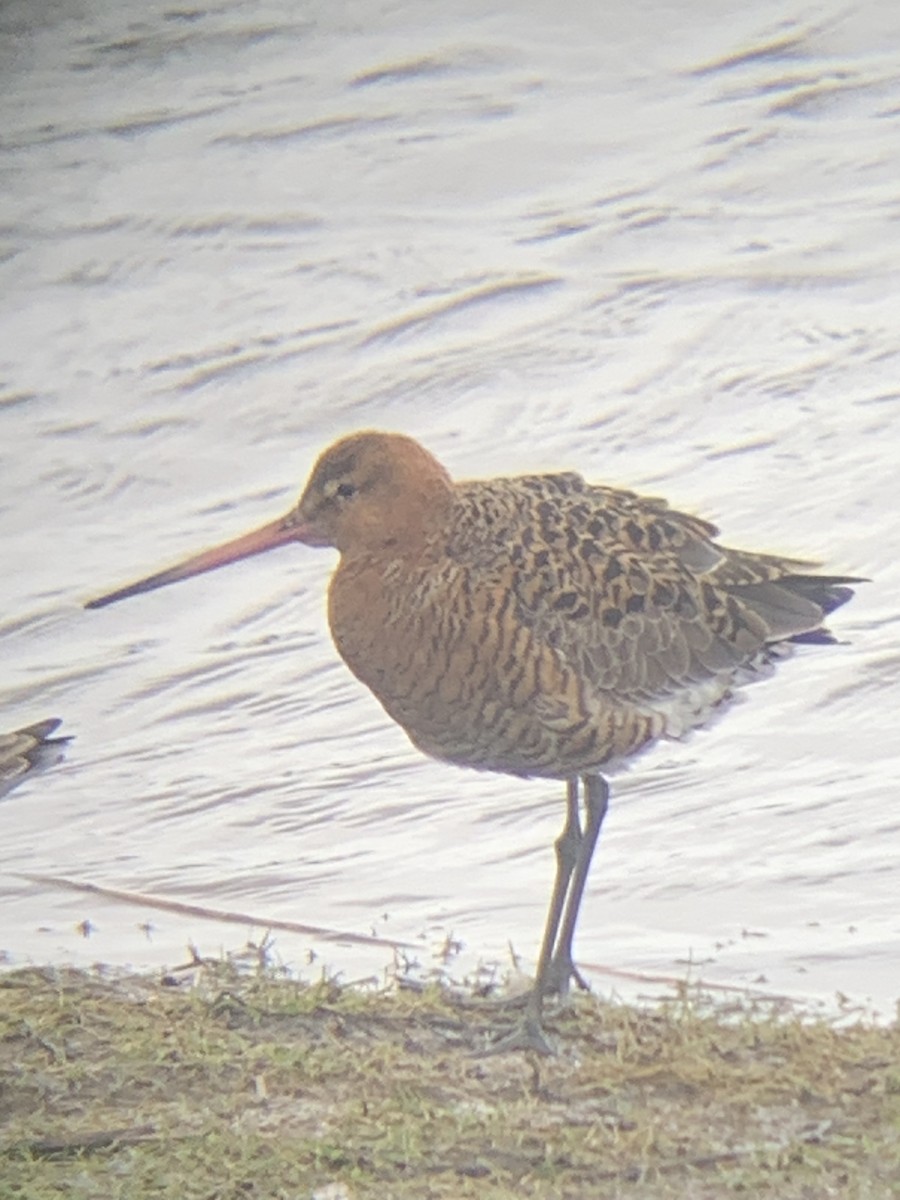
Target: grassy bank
{"x": 239, "y": 1086}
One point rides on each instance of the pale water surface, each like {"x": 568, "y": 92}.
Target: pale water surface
{"x": 659, "y": 244}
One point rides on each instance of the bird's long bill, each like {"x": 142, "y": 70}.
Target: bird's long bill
{"x": 267, "y": 537}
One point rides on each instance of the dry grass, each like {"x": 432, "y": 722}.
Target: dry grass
{"x": 258, "y": 1086}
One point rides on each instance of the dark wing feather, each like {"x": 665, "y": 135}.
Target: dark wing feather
{"x": 639, "y": 597}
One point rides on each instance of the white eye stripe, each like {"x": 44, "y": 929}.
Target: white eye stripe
{"x": 338, "y": 489}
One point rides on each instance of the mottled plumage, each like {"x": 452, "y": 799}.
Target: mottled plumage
{"x": 537, "y": 625}
{"x": 28, "y": 750}
{"x": 544, "y": 626}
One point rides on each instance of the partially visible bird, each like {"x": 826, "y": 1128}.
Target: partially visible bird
{"x": 27, "y": 751}
{"x": 537, "y": 626}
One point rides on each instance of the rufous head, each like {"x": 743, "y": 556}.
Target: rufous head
{"x": 368, "y": 493}
{"x": 373, "y": 491}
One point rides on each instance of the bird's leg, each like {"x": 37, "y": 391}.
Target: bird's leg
{"x": 568, "y": 847}
{"x": 529, "y": 1034}
{"x": 561, "y": 967}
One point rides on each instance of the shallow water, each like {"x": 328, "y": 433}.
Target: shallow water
{"x": 230, "y": 234}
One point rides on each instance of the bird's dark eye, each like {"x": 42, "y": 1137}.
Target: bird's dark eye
{"x": 346, "y": 489}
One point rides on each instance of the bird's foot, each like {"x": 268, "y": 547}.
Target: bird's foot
{"x": 557, "y": 980}
{"x": 560, "y": 974}
{"x": 527, "y": 1034}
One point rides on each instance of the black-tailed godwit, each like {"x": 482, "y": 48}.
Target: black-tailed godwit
{"x": 536, "y": 626}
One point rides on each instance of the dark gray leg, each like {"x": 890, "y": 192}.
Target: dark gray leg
{"x": 567, "y": 846}
{"x": 569, "y": 850}
{"x": 596, "y": 799}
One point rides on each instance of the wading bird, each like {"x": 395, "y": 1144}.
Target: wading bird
{"x": 536, "y": 626}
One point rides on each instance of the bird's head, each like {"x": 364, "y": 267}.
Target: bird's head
{"x": 372, "y": 492}
{"x": 368, "y": 493}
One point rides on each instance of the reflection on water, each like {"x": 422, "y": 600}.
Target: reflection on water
{"x": 230, "y": 235}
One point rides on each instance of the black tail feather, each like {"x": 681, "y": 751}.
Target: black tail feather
{"x": 815, "y": 637}
{"x": 828, "y": 591}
